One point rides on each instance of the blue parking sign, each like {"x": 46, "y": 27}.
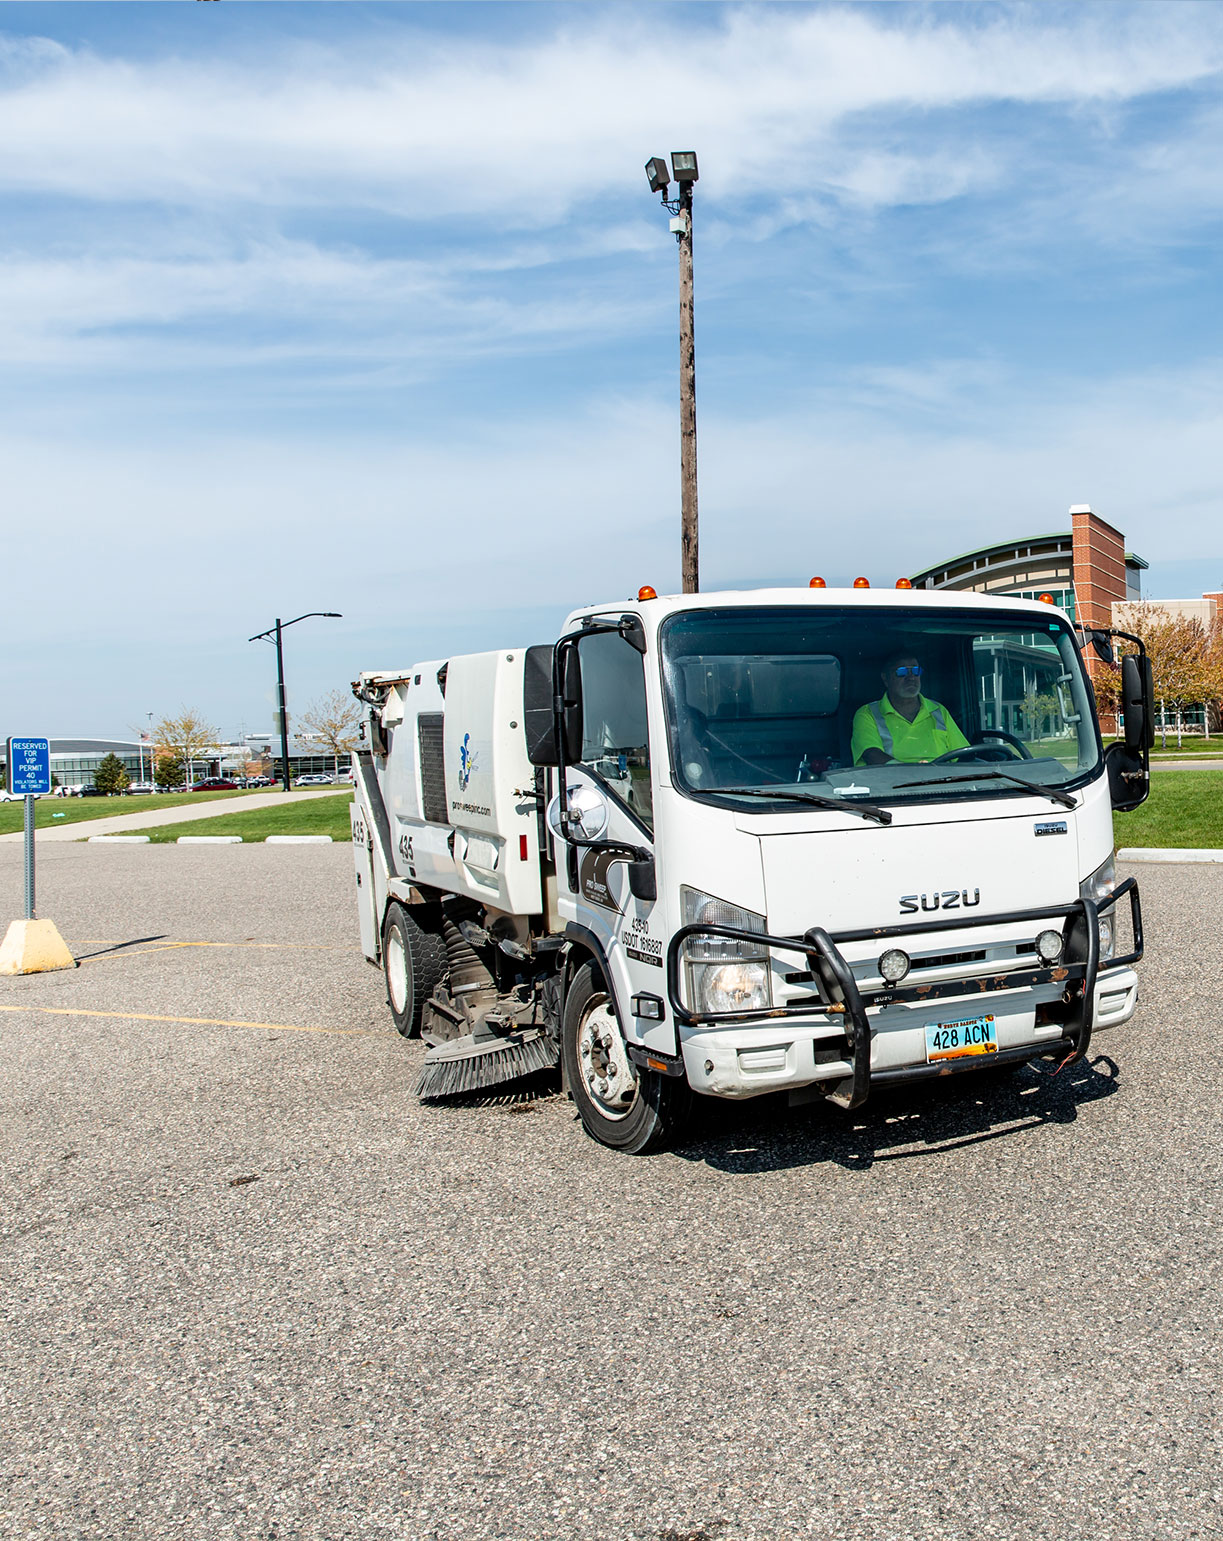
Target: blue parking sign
{"x": 29, "y": 765}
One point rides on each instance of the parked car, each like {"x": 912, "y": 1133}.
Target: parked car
{"x": 13, "y": 797}
{"x": 142, "y": 788}
{"x": 260, "y": 781}
{"x": 92, "y": 792}
{"x": 318, "y": 780}
{"x": 216, "y": 784}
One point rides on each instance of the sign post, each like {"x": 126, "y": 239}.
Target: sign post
{"x": 32, "y": 946}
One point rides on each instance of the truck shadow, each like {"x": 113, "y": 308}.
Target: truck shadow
{"x": 903, "y": 1124}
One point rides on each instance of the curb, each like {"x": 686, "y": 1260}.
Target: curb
{"x": 298, "y": 840}
{"x": 1169, "y": 854}
{"x": 117, "y": 840}
{"x": 209, "y": 840}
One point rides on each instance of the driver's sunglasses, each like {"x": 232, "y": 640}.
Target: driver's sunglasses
{"x": 904, "y": 671}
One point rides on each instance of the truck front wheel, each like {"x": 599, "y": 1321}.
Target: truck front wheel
{"x": 414, "y": 962}
{"x": 620, "y": 1105}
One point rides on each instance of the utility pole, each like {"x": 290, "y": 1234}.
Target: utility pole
{"x": 684, "y": 168}
{"x": 687, "y": 400}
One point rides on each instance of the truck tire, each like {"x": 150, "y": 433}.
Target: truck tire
{"x": 621, "y": 1106}
{"x": 414, "y": 964}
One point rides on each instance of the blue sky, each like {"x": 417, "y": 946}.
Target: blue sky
{"x": 368, "y": 308}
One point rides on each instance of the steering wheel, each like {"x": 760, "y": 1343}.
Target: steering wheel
{"x": 986, "y": 752}
{"x": 1016, "y": 744}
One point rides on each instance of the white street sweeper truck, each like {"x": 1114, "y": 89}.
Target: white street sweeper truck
{"x": 811, "y": 841}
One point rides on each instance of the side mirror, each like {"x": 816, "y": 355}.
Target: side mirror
{"x": 642, "y": 880}
{"x": 584, "y": 816}
{"x": 1136, "y": 702}
{"x": 539, "y": 705}
{"x": 538, "y": 720}
{"x": 1101, "y": 646}
{"x": 571, "y": 712}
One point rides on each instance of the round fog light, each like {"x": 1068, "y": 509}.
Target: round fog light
{"x": 1049, "y": 946}
{"x": 894, "y": 965}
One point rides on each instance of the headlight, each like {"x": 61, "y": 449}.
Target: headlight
{"x": 724, "y": 974}
{"x": 730, "y": 986}
{"x": 1099, "y": 887}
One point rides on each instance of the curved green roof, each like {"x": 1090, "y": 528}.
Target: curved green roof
{"x": 996, "y": 546}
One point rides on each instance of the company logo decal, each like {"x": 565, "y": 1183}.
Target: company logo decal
{"x": 469, "y": 762}
{"x": 947, "y": 899}
{"x": 592, "y": 879}
{"x": 1051, "y": 827}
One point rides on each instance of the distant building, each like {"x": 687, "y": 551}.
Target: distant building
{"x": 1086, "y": 569}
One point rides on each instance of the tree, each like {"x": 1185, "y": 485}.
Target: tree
{"x": 1182, "y": 670}
{"x": 1212, "y": 667}
{"x": 111, "y": 776}
{"x": 168, "y": 772}
{"x": 331, "y": 720}
{"x": 186, "y": 737}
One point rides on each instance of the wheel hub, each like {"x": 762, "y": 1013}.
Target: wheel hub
{"x": 396, "y": 969}
{"x": 606, "y": 1070}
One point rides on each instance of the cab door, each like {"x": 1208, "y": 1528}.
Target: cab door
{"x": 609, "y": 784}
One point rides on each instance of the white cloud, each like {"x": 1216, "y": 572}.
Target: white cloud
{"x": 431, "y": 129}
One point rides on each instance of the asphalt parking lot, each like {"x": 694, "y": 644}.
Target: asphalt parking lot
{"x": 251, "y": 1289}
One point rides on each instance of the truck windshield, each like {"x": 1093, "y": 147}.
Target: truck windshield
{"x": 887, "y": 705}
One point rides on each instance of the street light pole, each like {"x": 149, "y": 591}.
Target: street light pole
{"x": 281, "y": 711}
{"x": 684, "y": 169}
{"x": 274, "y": 633}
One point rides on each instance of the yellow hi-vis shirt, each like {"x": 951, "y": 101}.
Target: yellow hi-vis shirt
{"x": 878, "y": 725}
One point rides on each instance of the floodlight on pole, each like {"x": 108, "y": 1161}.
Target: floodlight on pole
{"x": 272, "y": 634}
{"x": 658, "y": 175}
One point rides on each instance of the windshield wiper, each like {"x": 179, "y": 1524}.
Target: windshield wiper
{"x": 843, "y": 804}
{"x": 996, "y": 775}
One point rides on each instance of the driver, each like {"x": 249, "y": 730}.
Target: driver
{"x": 903, "y": 724}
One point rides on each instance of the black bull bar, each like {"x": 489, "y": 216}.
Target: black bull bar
{"x": 839, "y": 995}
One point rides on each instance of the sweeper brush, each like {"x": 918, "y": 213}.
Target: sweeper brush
{"x": 465, "y": 1065}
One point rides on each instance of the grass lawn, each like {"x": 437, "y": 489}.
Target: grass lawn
{"x": 1185, "y": 808}
{"x": 74, "y": 809}
{"x": 315, "y": 816}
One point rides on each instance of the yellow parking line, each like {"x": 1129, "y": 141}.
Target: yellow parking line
{"x": 141, "y": 1016}
{"x": 110, "y": 941}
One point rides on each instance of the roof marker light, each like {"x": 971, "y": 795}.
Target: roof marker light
{"x": 1046, "y": 599}
{"x": 646, "y": 592}
{"x": 903, "y": 583}
{"x": 817, "y": 583}
{"x": 862, "y": 583}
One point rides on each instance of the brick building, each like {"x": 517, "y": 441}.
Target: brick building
{"x": 1086, "y": 571}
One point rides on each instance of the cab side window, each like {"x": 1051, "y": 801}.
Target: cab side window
{"x": 615, "y": 737}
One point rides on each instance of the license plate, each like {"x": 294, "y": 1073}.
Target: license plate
{"x": 953, "y": 1040}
